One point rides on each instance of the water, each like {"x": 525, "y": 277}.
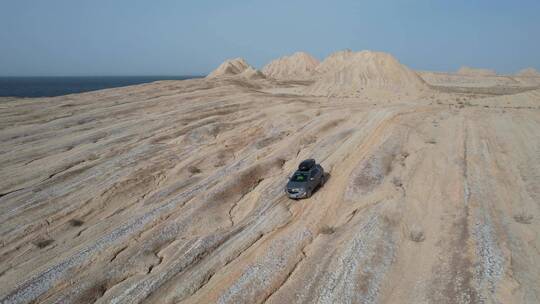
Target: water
{"x": 57, "y": 86}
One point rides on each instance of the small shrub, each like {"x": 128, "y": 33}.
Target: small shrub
{"x": 417, "y": 235}
{"x": 75, "y": 222}
{"x": 43, "y": 243}
{"x": 397, "y": 182}
{"x": 327, "y": 229}
{"x": 402, "y": 158}
{"x": 194, "y": 170}
{"x": 431, "y": 141}
{"x": 281, "y": 161}
{"x": 523, "y": 218}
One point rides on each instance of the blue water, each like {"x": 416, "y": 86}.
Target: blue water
{"x": 57, "y": 86}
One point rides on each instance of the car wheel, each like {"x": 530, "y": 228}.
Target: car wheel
{"x": 322, "y": 181}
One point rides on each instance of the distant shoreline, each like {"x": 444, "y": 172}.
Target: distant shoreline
{"x": 52, "y": 86}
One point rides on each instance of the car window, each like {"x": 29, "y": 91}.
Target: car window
{"x": 299, "y": 177}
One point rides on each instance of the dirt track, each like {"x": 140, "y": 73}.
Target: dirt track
{"x": 172, "y": 192}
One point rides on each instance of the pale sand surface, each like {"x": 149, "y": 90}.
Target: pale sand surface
{"x": 172, "y": 192}
{"x": 469, "y": 71}
{"x": 471, "y": 81}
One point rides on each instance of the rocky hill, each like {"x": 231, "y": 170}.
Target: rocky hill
{"x": 299, "y": 66}
{"x": 347, "y": 73}
{"x": 236, "y": 67}
{"x": 528, "y": 72}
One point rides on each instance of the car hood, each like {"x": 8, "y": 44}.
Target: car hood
{"x": 292, "y": 185}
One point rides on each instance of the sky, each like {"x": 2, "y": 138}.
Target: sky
{"x": 180, "y": 37}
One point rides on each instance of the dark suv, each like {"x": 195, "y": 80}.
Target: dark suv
{"x": 305, "y": 180}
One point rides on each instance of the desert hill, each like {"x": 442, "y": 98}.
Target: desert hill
{"x": 334, "y": 61}
{"x": 299, "y": 66}
{"x": 252, "y": 73}
{"x": 528, "y": 72}
{"x": 236, "y": 67}
{"x": 347, "y": 73}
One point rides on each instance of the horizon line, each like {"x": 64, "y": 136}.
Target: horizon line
{"x": 66, "y": 76}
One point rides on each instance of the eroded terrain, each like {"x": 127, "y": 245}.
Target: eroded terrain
{"x": 172, "y": 192}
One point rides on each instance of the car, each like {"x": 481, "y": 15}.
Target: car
{"x": 305, "y": 180}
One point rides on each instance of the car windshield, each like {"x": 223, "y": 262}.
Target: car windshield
{"x": 299, "y": 177}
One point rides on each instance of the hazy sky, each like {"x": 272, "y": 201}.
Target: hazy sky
{"x": 174, "y": 37}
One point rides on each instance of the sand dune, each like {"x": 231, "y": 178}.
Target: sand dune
{"x": 172, "y": 192}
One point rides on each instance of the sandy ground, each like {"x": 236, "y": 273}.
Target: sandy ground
{"x": 172, "y": 192}
{"x": 488, "y": 81}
